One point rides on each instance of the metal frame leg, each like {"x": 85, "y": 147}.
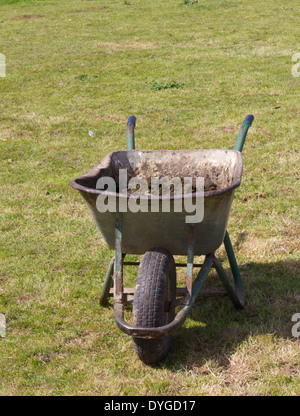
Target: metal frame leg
{"x": 115, "y": 269}
{"x": 108, "y": 283}
{"x": 190, "y": 260}
{"x": 235, "y": 293}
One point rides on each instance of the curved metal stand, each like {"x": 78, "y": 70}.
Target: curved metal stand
{"x": 192, "y": 291}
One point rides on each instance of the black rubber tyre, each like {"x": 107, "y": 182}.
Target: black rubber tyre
{"x": 153, "y": 302}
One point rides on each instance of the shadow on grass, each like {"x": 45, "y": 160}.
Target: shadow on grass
{"x": 215, "y": 329}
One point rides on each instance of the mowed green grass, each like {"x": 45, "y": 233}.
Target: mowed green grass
{"x": 190, "y": 73}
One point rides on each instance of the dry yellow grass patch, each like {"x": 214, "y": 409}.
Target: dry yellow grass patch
{"x": 262, "y": 248}
{"x": 128, "y": 45}
{"x": 260, "y": 355}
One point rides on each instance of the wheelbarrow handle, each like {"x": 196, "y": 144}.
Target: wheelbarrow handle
{"x": 130, "y": 133}
{"x": 243, "y": 132}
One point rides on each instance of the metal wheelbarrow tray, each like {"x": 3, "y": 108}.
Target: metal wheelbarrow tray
{"x": 160, "y": 235}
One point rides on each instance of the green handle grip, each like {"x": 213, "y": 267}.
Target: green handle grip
{"x": 130, "y": 133}
{"x": 243, "y": 132}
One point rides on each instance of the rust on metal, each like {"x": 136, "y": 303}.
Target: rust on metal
{"x": 118, "y": 275}
{"x": 137, "y": 263}
{"x": 190, "y": 259}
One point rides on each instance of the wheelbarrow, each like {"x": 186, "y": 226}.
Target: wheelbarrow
{"x": 159, "y": 307}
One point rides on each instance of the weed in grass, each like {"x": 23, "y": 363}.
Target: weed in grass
{"x": 190, "y": 2}
{"x": 86, "y": 77}
{"x": 217, "y": 5}
{"x": 160, "y": 85}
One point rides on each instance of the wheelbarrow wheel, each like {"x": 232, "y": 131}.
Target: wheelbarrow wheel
{"x": 153, "y": 302}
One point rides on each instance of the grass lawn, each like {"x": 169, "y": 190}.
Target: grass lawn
{"x": 190, "y": 71}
